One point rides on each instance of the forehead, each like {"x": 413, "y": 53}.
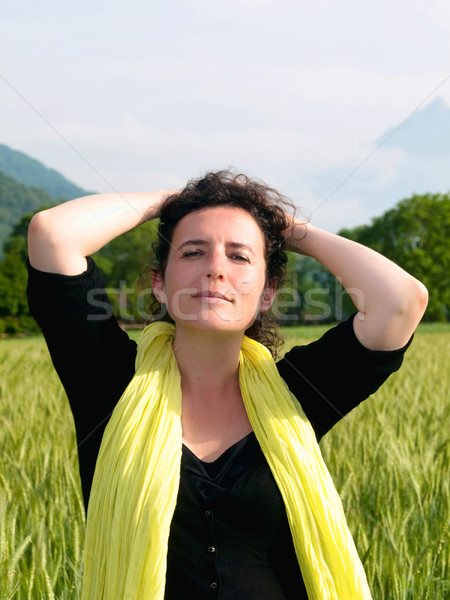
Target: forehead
{"x": 224, "y": 223}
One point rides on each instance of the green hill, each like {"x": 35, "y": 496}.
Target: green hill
{"x": 17, "y": 199}
{"x": 33, "y": 173}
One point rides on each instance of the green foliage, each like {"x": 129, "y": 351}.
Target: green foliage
{"x": 125, "y": 263}
{"x": 389, "y": 460}
{"x": 416, "y": 235}
{"x": 122, "y": 261}
{"x": 311, "y": 295}
{"x": 14, "y": 313}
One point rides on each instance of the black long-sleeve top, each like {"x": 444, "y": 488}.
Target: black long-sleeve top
{"x": 229, "y": 537}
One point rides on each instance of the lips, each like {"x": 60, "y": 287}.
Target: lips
{"x": 213, "y": 295}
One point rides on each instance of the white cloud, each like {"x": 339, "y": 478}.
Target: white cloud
{"x": 151, "y": 92}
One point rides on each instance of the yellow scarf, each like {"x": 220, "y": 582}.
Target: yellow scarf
{"x": 136, "y": 480}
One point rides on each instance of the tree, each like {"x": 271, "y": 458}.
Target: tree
{"x": 124, "y": 263}
{"x": 14, "y": 314}
{"x": 415, "y": 234}
{"x": 308, "y": 295}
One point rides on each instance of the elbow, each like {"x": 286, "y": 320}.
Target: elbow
{"x": 47, "y": 229}
{"x": 43, "y": 238}
{"x": 413, "y": 303}
{"x": 36, "y": 228}
{"x": 419, "y": 298}
{"x": 38, "y": 224}
{"x": 39, "y": 230}
{"x": 422, "y": 298}
{"x": 392, "y": 325}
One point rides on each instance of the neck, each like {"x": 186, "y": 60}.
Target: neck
{"x": 208, "y": 361}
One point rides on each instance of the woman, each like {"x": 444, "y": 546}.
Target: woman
{"x": 209, "y": 481}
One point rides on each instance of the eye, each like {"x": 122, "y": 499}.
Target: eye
{"x": 240, "y": 258}
{"x": 191, "y": 253}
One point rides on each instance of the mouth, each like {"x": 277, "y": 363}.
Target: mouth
{"x": 211, "y": 296}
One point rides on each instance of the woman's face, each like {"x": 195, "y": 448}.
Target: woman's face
{"x": 216, "y": 271}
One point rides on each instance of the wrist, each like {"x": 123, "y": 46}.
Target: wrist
{"x": 296, "y": 237}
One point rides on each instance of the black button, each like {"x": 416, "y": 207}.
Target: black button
{"x": 214, "y": 585}
{"x": 211, "y": 549}
{"x": 208, "y": 513}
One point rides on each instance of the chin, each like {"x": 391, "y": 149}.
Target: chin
{"x": 225, "y": 318}
{"x": 214, "y": 323}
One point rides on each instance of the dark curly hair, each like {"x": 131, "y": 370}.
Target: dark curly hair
{"x": 272, "y": 211}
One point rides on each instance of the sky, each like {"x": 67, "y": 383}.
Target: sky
{"x": 146, "y": 95}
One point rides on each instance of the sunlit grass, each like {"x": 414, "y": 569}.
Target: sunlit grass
{"x": 389, "y": 459}
{"x": 41, "y": 511}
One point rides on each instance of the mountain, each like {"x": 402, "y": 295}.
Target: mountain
{"x": 426, "y": 134}
{"x": 412, "y": 157}
{"x": 17, "y": 199}
{"x": 31, "y": 172}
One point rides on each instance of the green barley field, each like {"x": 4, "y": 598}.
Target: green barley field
{"x": 389, "y": 460}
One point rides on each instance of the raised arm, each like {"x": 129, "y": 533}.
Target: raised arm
{"x": 390, "y": 302}
{"x": 60, "y": 238}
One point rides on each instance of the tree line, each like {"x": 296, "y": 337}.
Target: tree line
{"x": 415, "y": 234}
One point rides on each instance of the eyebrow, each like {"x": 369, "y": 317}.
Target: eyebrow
{"x": 202, "y": 242}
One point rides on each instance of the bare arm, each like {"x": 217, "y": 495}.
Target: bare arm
{"x": 390, "y": 302}
{"x": 60, "y": 238}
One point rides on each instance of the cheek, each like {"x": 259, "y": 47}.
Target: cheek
{"x": 255, "y": 282}
{"x": 250, "y": 293}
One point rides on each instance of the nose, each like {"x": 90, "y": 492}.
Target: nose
{"x": 214, "y": 269}
{"x": 215, "y": 273}
{"x": 211, "y": 274}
